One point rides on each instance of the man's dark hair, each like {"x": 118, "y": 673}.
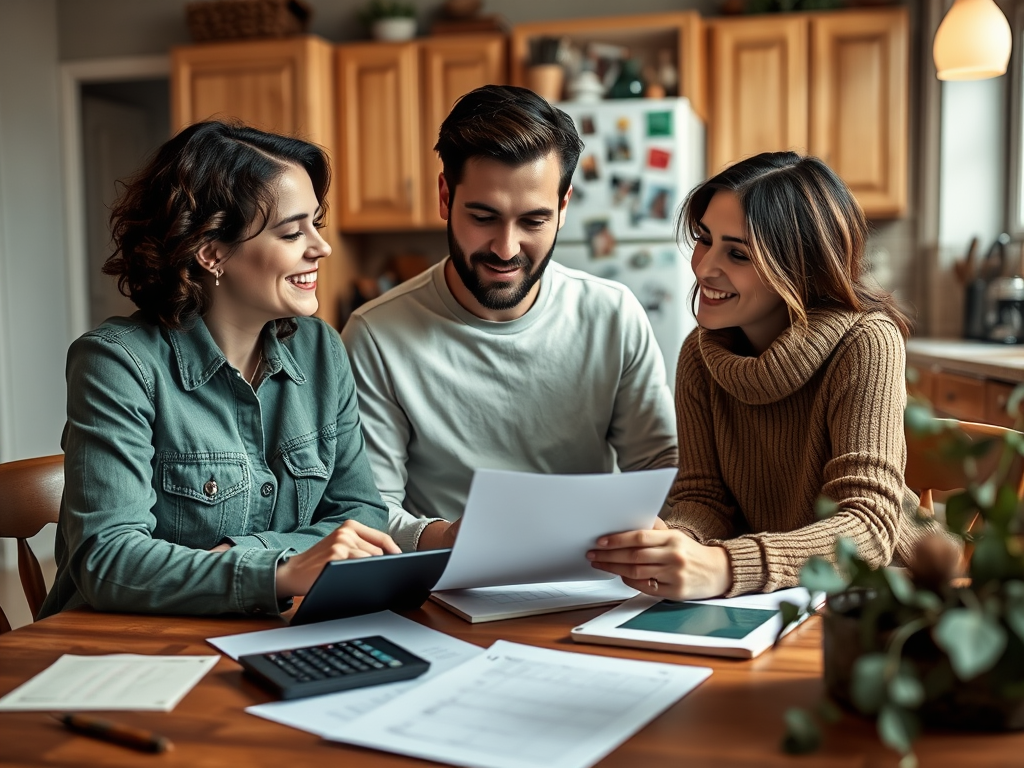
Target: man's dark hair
{"x": 508, "y": 124}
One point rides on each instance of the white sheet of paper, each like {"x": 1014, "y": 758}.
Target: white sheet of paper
{"x": 517, "y": 706}
{"x": 323, "y": 714}
{"x": 115, "y": 681}
{"x": 523, "y": 528}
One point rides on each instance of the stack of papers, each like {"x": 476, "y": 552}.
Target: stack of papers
{"x": 495, "y": 603}
{"x": 511, "y": 706}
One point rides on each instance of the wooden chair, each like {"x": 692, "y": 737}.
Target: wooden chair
{"x": 30, "y": 493}
{"x": 929, "y": 470}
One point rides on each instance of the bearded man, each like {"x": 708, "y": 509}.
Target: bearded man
{"x": 497, "y": 357}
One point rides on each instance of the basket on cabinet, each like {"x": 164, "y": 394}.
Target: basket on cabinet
{"x": 245, "y": 19}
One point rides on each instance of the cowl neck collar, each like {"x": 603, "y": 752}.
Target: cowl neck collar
{"x": 787, "y": 365}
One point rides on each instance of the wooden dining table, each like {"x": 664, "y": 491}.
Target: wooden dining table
{"x": 734, "y": 718}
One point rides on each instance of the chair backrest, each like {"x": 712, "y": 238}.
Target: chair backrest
{"x": 30, "y": 493}
{"x": 929, "y": 469}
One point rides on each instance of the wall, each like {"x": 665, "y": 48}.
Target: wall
{"x": 100, "y": 28}
{"x": 33, "y": 285}
{"x": 34, "y": 326}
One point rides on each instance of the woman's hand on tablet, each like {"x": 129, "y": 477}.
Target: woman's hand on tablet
{"x": 664, "y": 563}
{"x": 349, "y": 541}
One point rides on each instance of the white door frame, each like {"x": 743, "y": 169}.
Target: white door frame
{"x": 73, "y": 75}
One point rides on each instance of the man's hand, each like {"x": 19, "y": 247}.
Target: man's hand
{"x": 349, "y": 541}
{"x": 439, "y": 534}
{"x": 664, "y": 563}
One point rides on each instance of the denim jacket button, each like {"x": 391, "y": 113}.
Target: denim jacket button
{"x": 267, "y": 489}
{"x": 210, "y": 488}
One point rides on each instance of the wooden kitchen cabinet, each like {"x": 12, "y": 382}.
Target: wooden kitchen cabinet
{"x": 759, "y": 87}
{"x": 392, "y": 98}
{"x": 378, "y": 104}
{"x": 832, "y": 84}
{"x": 967, "y": 380}
{"x": 285, "y": 86}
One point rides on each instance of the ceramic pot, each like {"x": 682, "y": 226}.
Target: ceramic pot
{"x": 394, "y": 28}
{"x": 972, "y": 705}
{"x": 546, "y": 80}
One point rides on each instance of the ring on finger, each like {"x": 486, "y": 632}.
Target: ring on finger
{"x": 653, "y": 583}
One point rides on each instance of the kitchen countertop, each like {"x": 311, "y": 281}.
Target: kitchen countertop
{"x": 973, "y": 358}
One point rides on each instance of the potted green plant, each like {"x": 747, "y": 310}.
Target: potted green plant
{"x": 928, "y": 647}
{"x": 390, "y": 19}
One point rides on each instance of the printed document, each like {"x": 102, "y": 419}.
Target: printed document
{"x": 522, "y": 528}
{"x": 116, "y": 681}
{"x": 517, "y": 706}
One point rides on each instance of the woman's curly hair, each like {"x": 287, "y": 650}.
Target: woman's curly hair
{"x": 212, "y": 182}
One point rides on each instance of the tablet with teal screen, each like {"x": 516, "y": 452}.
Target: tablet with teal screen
{"x": 741, "y": 627}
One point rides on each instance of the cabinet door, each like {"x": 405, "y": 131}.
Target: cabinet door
{"x": 859, "y": 81}
{"x": 759, "y": 92}
{"x": 451, "y": 67}
{"x": 378, "y": 109}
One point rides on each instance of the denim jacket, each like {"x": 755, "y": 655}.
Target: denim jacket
{"x": 169, "y": 452}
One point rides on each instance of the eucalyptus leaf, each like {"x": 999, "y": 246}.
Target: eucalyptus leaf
{"x": 1004, "y": 509}
{"x": 960, "y": 511}
{"x": 927, "y": 601}
{"x": 847, "y": 553}
{"x": 897, "y": 727}
{"x": 1014, "y": 610}
{"x": 906, "y": 690}
{"x": 867, "y": 684}
{"x": 919, "y": 419}
{"x": 825, "y": 507}
{"x": 902, "y": 588}
{"x": 985, "y": 494}
{"x": 819, "y": 575}
{"x": 909, "y": 760}
{"x": 802, "y": 732}
{"x": 973, "y": 641}
{"x": 790, "y": 613}
{"x": 1013, "y": 404}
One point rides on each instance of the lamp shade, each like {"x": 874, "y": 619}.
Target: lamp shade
{"x": 972, "y": 42}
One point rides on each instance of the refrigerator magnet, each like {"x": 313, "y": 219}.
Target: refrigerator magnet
{"x": 658, "y": 159}
{"x": 659, "y": 123}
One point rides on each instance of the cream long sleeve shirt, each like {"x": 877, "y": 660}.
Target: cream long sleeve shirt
{"x": 576, "y": 385}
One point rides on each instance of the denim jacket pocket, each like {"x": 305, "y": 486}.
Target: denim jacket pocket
{"x": 310, "y": 463}
{"x": 209, "y": 496}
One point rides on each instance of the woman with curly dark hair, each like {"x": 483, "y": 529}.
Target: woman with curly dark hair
{"x": 213, "y": 454}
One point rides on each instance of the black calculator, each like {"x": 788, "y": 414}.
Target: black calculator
{"x": 318, "y": 669}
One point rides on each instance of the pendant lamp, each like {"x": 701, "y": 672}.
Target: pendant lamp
{"x": 972, "y": 42}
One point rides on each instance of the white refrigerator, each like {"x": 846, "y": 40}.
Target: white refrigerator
{"x": 641, "y": 158}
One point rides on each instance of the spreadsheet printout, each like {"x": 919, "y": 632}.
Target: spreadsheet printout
{"x": 515, "y": 706}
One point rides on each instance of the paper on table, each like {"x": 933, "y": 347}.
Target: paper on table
{"x": 496, "y": 603}
{"x": 116, "y": 681}
{"x": 516, "y": 706}
{"x": 322, "y": 714}
{"x": 522, "y": 528}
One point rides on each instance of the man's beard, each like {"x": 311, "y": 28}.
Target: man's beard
{"x": 504, "y": 295}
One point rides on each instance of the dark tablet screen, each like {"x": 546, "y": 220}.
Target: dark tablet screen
{"x": 699, "y": 619}
{"x": 385, "y": 583}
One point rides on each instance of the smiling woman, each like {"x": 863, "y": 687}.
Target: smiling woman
{"x": 213, "y": 455}
{"x": 790, "y": 393}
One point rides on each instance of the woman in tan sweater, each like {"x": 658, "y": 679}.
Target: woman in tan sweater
{"x": 791, "y": 389}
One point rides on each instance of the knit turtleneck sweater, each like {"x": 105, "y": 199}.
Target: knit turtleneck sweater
{"x": 818, "y": 414}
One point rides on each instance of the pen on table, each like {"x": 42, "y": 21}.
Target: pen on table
{"x": 118, "y": 733}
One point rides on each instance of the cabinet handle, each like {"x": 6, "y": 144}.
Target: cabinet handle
{"x": 408, "y": 190}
